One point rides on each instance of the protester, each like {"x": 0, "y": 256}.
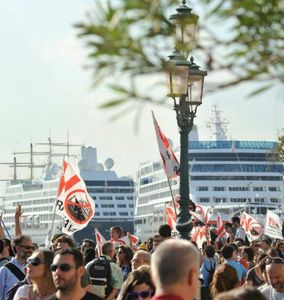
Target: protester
{"x": 138, "y": 285}
{"x": 124, "y": 255}
{"x": 255, "y": 275}
{"x": 87, "y": 243}
{"x": 175, "y": 270}
{"x": 157, "y": 240}
{"x": 247, "y": 254}
{"x": 4, "y": 252}
{"x": 207, "y": 270}
{"x": 13, "y": 272}
{"x": 225, "y": 278}
{"x": 165, "y": 231}
{"x": 280, "y": 249}
{"x": 246, "y": 293}
{"x": 113, "y": 285}
{"x": 67, "y": 271}
{"x": 39, "y": 275}
{"x": 275, "y": 274}
{"x": 230, "y": 255}
{"x": 64, "y": 242}
{"x": 240, "y": 232}
{"x": 140, "y": 258}
{"x": 115, "y": 233}
{"x": 150, "y": 244}
{"x": 265, "y": 244}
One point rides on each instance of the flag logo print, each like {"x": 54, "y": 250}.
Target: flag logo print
{"x": 78, "y": 207}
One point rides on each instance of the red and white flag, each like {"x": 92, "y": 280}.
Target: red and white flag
{"x": 201, "y": 213}
{"x": 198, "y": 235}
{"x": 128, "y": 240}
{"x": 170, "y": 162}
{"x": 100, "y": 240}
{"x": 222, "y": 235}
{"x": 74, "y": 203}
{"x": 251, "y": 226}
{"x": 170, "y": 216}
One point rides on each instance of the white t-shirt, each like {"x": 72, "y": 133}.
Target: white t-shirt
{"x": 25, "y": 291}
{"x": 240, "y": 234}
{"x": 270, "y": 293}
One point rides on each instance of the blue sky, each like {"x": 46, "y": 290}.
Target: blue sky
{"x": 44, "y": 88}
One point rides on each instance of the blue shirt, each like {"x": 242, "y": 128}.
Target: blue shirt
{"x": 207, "y": 266}
{"x": 241, "y": 270}
{"x": 8, "y": 279}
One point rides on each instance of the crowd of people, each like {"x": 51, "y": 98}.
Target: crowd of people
{"x": 160, "y": 268}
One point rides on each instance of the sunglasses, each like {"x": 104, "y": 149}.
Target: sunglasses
{"x": 275, "y": 260}
{"x": 27, "y": 247}
{"x": 62, "y": 267}
{"x": 136, "y": 295}
{"x": 34, "y": 261}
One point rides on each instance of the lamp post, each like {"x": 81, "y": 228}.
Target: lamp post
{"x": 186, "y": 88}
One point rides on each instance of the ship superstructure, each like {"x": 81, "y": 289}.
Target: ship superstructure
{"x": 113, "y": 196}
{"x": 228, "y": 176}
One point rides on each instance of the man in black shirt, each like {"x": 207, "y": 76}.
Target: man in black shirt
{"x": 67, "y": 271}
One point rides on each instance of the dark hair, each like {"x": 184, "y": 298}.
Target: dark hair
{"x": 228, "y": 224}
{"x": 77, "y": 255}
{"x": 236, "y": 248}
{"x": 249, "y": 252}
{"x": 209, "y": 251}
{"x": 128, "y": 253}
{"x": 65, "y": 239}
{"x": 227, "y": 251}
{"x": 19, "y": 239}
{"x": 89, "y": 254}
{"x": 240, "y": 240}
{"x": 92, "y": 244}
{"x": 165, "y": 230}
{"x": 139, "y": 276}
{"x": 2, "y": 245}
{"x": 236, "y": 220}
{"x": 245, "y": 293}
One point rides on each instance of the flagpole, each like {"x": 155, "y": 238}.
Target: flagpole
{"x": 173, "y": 201}
{"x": 6, "y": 229}
{"x": 50, "y": 232}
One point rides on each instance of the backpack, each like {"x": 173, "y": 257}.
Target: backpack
{"x": 11, "y": 293}
{"x": 210, "y": 272}
{"x": 100, "y": 274}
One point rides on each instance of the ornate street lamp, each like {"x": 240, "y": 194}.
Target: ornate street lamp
{"x": 186, "y": 88}
{"x": 185, "y": 23}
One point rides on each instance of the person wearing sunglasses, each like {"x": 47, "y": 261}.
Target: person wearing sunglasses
{"x": 274, "y": 267}
{"x": 38, "y": 272}
{"x": 13, "y": 272}
{"x": 67, "y": 272}
{"x": 138, "y": 285}
{"x": 124, "y": 255}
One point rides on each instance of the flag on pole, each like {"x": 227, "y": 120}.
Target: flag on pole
{"x": 251, "y": 226}
{"x": 198, "y": 235}
{"x": 100, "y": 240}
{"x": 74, "y": 203}
{"x": 202, "y": 214}
{"x": 170, "y": 162}
{"x": 170, "y": 216}
{"x": 273, "y": 226}
{"x": 222, "y": 235}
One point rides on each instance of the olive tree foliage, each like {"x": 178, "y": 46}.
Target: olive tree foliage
{"x": 129, "y": 40}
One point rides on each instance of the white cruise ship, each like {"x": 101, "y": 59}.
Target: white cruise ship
{"x": 113, "y": 195}
{"x": 228, "y": 176}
